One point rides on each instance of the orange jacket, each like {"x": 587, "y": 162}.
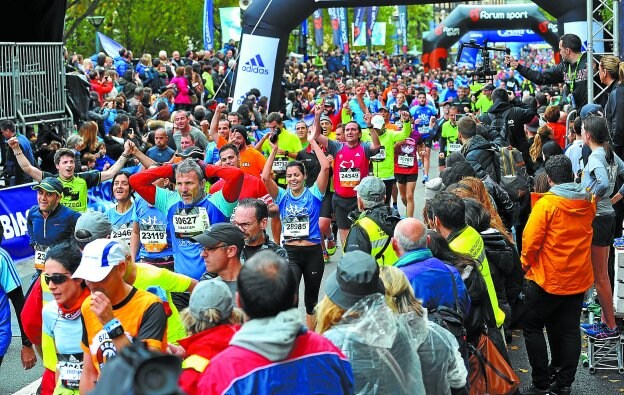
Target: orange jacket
{"x": 556, "y": 243}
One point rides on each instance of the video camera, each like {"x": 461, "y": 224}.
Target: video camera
{"x": 483, "y": 73}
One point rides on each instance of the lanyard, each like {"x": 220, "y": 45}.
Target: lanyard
{"x": 572, "y": 78}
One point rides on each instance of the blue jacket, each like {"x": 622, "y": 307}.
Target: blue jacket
{"x": 57, "y": 227}
{"x": 431, "y": 280}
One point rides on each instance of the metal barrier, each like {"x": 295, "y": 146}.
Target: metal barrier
{"x": 32, "y": 83}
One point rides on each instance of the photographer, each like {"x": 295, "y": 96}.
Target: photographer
{"x": 572, "y": 71}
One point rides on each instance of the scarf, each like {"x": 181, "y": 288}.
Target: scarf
{"x": 73, "y": 311}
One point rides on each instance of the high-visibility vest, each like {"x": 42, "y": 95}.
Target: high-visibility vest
{"x": 381, "y": 249}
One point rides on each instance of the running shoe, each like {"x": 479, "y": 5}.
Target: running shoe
{"x": 603, "y": 332}
{"x": 533, "y": 390}
{"x": 331, "y": 246}
{"x": 425, "y": 178}
{"x": 587, "y": 326}
{"x": 325, "y": 256}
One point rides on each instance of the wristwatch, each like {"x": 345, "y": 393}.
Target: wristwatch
{"x": 114, "y": 328}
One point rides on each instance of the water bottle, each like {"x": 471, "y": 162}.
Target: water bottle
{"x": 584, "y": 360}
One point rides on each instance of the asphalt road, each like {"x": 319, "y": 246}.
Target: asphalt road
{"x": 605, "y": 382}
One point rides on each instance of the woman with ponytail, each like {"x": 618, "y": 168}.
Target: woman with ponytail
{"x": 611, "y": 73}
{"x": 599, "y": 176}
{"x": 544, "y": 135}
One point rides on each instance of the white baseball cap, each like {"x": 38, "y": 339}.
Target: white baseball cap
{"x": 378, "y": 122}
{"x": 99, "y": 257}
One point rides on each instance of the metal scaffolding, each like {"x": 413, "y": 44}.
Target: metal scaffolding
{"x": 610, "y": 37}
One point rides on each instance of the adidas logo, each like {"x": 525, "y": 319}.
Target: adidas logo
{"x": 255, "y": 65}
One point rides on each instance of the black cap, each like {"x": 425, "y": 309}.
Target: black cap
{"x": 221, "y": 233}
{"x": 488, "y": 87}
{"x": 243, "y": 131}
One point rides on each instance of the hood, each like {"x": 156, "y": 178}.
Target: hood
{"x": 386, "y": 217}
{"x": 499, "y": 106}
{"x": 477, "y": 142}
{"x": 272, "y": 337}
{"x": 369, "y": 322}
{"x": 571, "y": 198}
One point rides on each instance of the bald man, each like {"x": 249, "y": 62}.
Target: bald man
{"x": 430, "y": 277}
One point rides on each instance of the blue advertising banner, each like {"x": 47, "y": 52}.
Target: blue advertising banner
{"x": 371, "y": 18}
{"x": 402, "y": 28}
{"x": 318, "y": 28}
{"x": 344, "y": 37}
{"x": 208, "y": 25}
{"x": 358, "y": 18}
{"x": 335, "y": 25}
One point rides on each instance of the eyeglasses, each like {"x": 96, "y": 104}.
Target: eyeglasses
{"x": 243, "y": 225}
{"x": 56, "y": 278}
{"x": 207, "y": 249}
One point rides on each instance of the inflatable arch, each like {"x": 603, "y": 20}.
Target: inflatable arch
{"x": 464, "y": 19}
{"x": 266, "y": 25}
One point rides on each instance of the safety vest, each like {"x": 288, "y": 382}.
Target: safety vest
{"x": 381, "y": 249}
{"x": 469, "y": 241}
{"x": 196, "y": 362}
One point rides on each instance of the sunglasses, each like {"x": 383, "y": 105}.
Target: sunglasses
{"x": 56, "y": 278}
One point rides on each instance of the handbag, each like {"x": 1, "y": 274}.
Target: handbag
{"x": 489, "y": 372}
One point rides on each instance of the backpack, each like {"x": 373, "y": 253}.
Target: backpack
{"x": 513, "y": 173}
{"x": 451, "y": 319}
{"x": 498, "y": 129}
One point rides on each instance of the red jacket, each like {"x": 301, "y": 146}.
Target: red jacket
{"x": 200, "y": 348}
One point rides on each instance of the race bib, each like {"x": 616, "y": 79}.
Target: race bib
{"x": 297, "y": 226}
{"x": 405, "y": 160}
{"x": 381, "y": 155}
{"x": 190, "y": 222}
{"x": 153, "y": 239}
{"x": 123, "y": 232}
{"x": 279, "y": 165}
{"x": 349, "y": 177}
{"x": 70, "y": 369}
{"x": 40, "y": 254}
{"x": 454, "y": 147}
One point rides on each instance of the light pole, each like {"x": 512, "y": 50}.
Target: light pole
{"x": 96, "y": 21}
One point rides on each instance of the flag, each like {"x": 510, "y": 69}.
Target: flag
{"x": 371, "y": 18}
{"x": 344, "y": 37}
{"x": 110, "y": 46}
{"x": 335, "y": 25}
{"x": 358, "y": 18}
{"x": 402, "y": 28}
{"x": 208, "y": 25}
{"x": 318, "y": 28}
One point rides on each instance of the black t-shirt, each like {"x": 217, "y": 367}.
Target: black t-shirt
{"x": 311, "y": 164}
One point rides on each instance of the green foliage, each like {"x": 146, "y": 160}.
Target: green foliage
{"x": 140, "y": 25}
{"x": 150, "y": 26}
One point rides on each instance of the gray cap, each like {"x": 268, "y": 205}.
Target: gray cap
{"x": 211, "y": 294}
{"x": 372, "y": 189}
{"x": 325, "y": 118}
{"x": 92, "y": 225}
{"x": 356, "y": 276}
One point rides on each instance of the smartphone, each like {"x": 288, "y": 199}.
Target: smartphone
{"x": 459, "y": 116}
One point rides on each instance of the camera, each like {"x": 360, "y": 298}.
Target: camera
{"x": 483, "y": 73}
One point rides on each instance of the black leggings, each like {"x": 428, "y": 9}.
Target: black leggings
{"x": 307, "y": 261}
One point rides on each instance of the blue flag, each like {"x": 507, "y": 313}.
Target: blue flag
{"x": 318, "y": 28}
{"x": 358, "y": 18}
{"x": 402, "y": 28}
{"x": 344, "y": 37}
{"x": 208, "y": 25}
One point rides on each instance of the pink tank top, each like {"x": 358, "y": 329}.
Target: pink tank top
{"x": 350, "y": 166}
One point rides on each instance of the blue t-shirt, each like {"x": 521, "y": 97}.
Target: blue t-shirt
{"x": 26, "y": 148}
{"x": 160, "y": 155}
{"x": 65, "y": 332}
{"x": 212, "y": 153}
{"x": 9, "y": 280}
{"x": 358, "y": 114}
{"x": 121, "y": 222}
{"x": 424, "y": 113}
{"x": 300, "y": 215}
{"x": 154, "y": 231}
{"x": 187, "y": 221}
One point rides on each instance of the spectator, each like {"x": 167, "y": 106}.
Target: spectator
{"x": 256, "y": 359}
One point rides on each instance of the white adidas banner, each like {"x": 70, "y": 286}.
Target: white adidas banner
{"x": 256, "y": 67}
